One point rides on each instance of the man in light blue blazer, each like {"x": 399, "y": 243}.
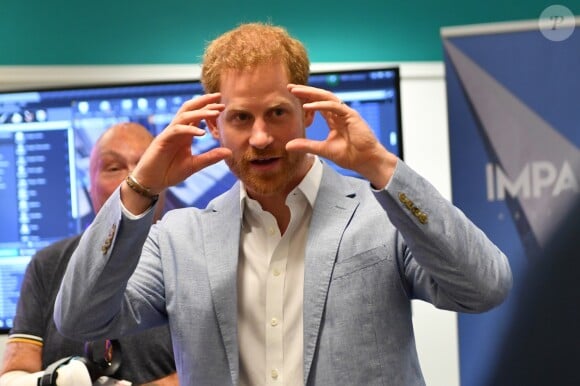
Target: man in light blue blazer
{"x": 297, "y": 275}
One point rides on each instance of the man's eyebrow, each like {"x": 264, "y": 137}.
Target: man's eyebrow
{"x": 236, "y": 110}
{"x": 273, "y": 105}
{"x": 281, "y": 102}
{"x": 279, "y": 105}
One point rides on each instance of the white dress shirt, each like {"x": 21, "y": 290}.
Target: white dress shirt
{"x": 270, "y": 287}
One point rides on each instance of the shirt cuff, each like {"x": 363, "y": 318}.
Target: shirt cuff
{"x": 386, "y": 187}
{"x": 132, "y": 216}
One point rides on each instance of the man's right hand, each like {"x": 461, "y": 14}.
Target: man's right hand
{"x": 169, "y": 160}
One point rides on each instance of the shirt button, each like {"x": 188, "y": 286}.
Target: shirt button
{"x": 271, "y": 231}
{"x": 274, "y": 322}
{"x": 274, "y": 374}
{"x": 276, "y": 272}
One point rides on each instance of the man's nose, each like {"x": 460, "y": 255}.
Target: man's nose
{"x": 260, "y": 137}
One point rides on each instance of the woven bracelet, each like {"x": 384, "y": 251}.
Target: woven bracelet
{"x": 137, "y": 187}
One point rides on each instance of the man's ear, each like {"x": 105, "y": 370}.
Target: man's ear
{"x": 212, "y": 126}
{"x": 309, "y": 117}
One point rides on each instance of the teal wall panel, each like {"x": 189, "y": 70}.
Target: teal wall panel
{"x": 65, "y": 32}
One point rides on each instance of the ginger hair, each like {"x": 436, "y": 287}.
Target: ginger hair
{"x": 250, "y": 45}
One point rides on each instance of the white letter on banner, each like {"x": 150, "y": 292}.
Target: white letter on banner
{"x": 543, "y": 175}
{"x": 522, "y": 183}
{"x": 566, "y": 180}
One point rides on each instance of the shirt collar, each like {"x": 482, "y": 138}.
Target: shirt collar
{"x": 309, "y": 185}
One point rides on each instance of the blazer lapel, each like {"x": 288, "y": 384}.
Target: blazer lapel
{"x": 333, "y": 210}
{"x": 222, "y": 237}
{"x": 331, "y": 213}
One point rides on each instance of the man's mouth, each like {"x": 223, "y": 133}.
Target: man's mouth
{"x": 264, "y": 161}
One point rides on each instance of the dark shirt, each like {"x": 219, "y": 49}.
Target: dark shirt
{"x": 146, "y": 356}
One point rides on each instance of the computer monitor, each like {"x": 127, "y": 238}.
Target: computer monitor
{"x": 46, "y": 137}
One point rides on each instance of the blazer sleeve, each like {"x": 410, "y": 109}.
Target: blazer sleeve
{"x": 445, "y": 258}
{"x": 95, "y": 281}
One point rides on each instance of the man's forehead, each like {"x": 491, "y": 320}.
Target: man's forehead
{"x": 110, "y": 153}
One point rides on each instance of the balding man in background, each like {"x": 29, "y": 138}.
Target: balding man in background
{"x": 36, "y": 351}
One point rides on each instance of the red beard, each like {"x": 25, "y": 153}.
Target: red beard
{"x": 276, "y": 181}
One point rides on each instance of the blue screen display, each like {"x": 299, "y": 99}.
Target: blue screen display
{"x": 46, "y": 137}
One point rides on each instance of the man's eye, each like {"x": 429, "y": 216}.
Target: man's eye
{"x": 113, "y": 168}
{"x": 278, "y": 112}
{"x": 241, "y": 117}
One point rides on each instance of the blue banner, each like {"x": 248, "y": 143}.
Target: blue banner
{"x": 514, "y": 125}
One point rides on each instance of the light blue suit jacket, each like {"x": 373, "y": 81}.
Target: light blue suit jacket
{"x": 368, "y": 254}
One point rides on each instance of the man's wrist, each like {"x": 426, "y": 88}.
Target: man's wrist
{"x": 140, "y": 189}
{"x": 133, "y": 198}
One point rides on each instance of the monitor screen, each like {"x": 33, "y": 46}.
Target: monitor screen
{"x": 46, "y": 137}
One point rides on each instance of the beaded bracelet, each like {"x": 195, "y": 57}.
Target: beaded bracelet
{"x": 137, "y": 187}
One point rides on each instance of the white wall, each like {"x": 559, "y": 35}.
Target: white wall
{"x": 426, "y": 149}
{"x": 3, "y": 338}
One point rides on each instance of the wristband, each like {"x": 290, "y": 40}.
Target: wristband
{"x": 51, "y": 372}
{"x": 140, "y": 189}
